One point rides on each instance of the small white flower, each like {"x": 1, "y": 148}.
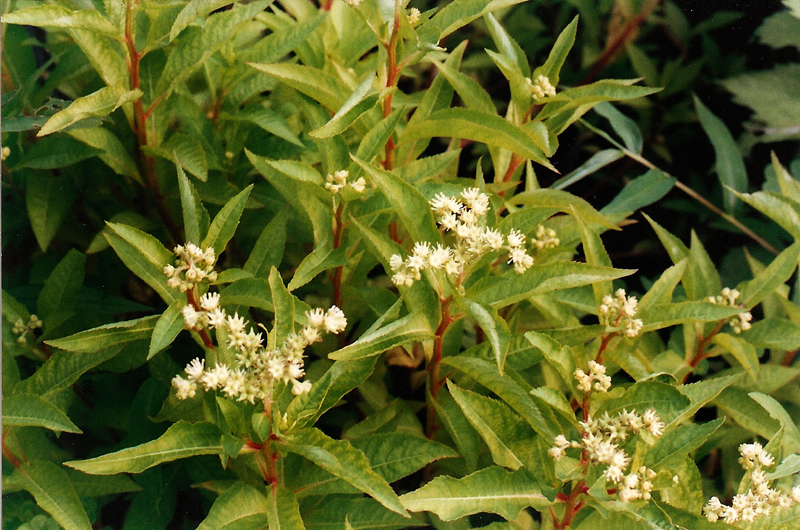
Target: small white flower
{"x": 209, "y": 301}
{"x": 195, "y": 369}
{"x": 335, "y": 320}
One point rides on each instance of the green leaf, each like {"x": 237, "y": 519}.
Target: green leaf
{"x": 225, "y": 222}
{"x": 96, "y": 105}
{"x": 503, "y": 431}
{"x": 561, "y": 358}
{"x": 30, "y": 410}
{"x": 62, "y": 286}
{"x": 598, "y": 161}
{"x": 490, "y": 129}
{"x": 268, "y": 250}
{"x": 167, "y": 328}
{"x": 240, "y": 506}
{"x": 270, "y": 121}
{"x": 459, "y": 13}
{"x": 341, "y": 459}
{"x": 783, "y": 210}
{"x": 493, "y": 490}
{"x": 284, "y": 307}
{"x": 505, "y": 388}
{"x": 507, "y": 46}
{"x": 195, "y": 217}
{"x": 409, "y": 204}
{"x": 374, "y": 141}
{"x": 55, "y": 152}
{"x": 181, "y": 440}
{"x": 741, "y": 350}
{"x": 742, "y": 409}
{"x": 283, "y": 39}
{"x": 625, "y": 127}
{"x": 61, "y": 370}
{"x": 360, "y": 101}
{"x": 470, "y": 91}
{"x": 109, "y": 335}
{"x": 197, "y": 45}
{"x": 187, "y": 152}
{"x": 397, "y": 455}
{"x": 558, "y": 54}
{"x": 337, "y": 513}
{"x": 778, "y": 413}
{"x": 662, "y": 316}
{"x": 667, "y": 400}
{"x": 673, "y": 446}
{"x": 789, "y": 466}
{"x": 411, "y": 328}
{"x": 768, "y": 280}
{"x": 774, "y": 333}
{"x": 48, "y": 199}
{"x": 324, "y": 257}
{"x": 251, "y": 292}
{"x": 660, "y": 292}
{"x": 458, "y": 426}
{"x": 50, "y": 486}
{"x": 113, "y": 152}
{"x": 640, "y": 192}
{"x": 192, "y": 11}
{"x": 283, "y": 512}
{"x": 314, "y": 83}
{"x": 49, "y": 16}
{"x": 564, "y": 202}
{"x": 493, "y": 325}
{"x": 700, "y": 394}
{"x": 144, "y": 255}
{"x": 595, "y": 254}
{"x": 509, "y": 288}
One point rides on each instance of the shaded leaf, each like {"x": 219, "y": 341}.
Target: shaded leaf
{"x": 30, "y": 410}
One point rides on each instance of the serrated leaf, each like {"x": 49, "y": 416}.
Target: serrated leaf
{"x": 55, "y": 152}
{"x": 113, "y": 152}
{"x": 192, "y": 11}
{"x": 225, "y": 222}
{"x": 186, "y": 151}
{"x": 411, "y": 328}
{"x": 564, "y": 202}
{"x": 667, "y": 400}
{"x": 662, "y": 316}
{"x": 741, "y": 350}
{"x": 284, "y": 307}
{"x": 495, "y": 328}
{"x": 470, "y": 91}
{"x": 558, "y": 54}
{"x": 182, "y": 440}
{"x": 778, "y": 413}
{"x": 61, "y": 370}
{"x": 167, "y": 328}
{"x": 660, "y": 292}
{"x": 774, "y": 333}
{"x": 341, "y": 459}
{"x": 314, "y": 83}
{"x": 772, "y": 107}
{"x": 283, "y": 512}
{"x": 493, "y": 490}
{"x": 700, "y": 394}
{"x": 776, "y": 274}
{"x": 460, "y": 13}
{"x": 337, "y": 513}
{"x": 62, "y": 286}
{"x": 673, "y": 446}
{"x": 50, "y": 486}
{"x": 359, "y": 102}
{"x": 783, "y": 210}
{"x": 268, "y": 250}
{"x": 96, "y": 105}
{"x": 270, "y": 121}
{"x": 48, "y": 199}
{"x": 509, "y": 288}
{"x": 51, "y": 16}
{"x": 144, "y": 255}
{"x": 109, "y": 335}
{"x": 324, "y": 257}
{"x": 458, "y": 426}
{"x": 640, "y": 192}
{"x": 195, "y": 217}
{"x": 505, "y": 388}
{"x": 31, "y": 410}
{"x": 240, "y": 506}
{"x": 742, "y": 409}
{"x": 375, "y": 140}
{"x": 483, "y": 127}
{"x": 789, "y": 466}
{"x": 397, "y": 455}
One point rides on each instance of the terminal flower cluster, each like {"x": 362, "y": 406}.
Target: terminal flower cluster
{"x": 596, "y": 375}
{"x": 338, "y": 180}
{"x": 760, "y": 499}
{"x": 618, "y": 311}
{"x": 465, "y": 218}
{"x": 193, "y": 266}
{"x": 541, "y": 87}
{"x": 24, "y": 330}
{"x": 740, "y": 322}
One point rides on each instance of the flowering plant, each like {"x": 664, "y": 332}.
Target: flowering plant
{"x": 402, "y": 342}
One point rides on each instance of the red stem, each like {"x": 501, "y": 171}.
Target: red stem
{"x": 434, "y": 382}
{"x": 391, "y": 80}
{"x": 700, "y": 353}
{"x": 8, "y": 454}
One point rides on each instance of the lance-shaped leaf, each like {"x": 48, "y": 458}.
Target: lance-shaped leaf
{"x": 49, "y": 16}
{"x": 268, "y": 250}
{"x": 359, "y": 102}
{"x": 341, "y": 459}
{"x": 700, "y": 394}
{"x": 113, "y": 152}
{"x": 505, "y": 388}
{"x": 200, "y": 44}
{"x": 597, "y": 161}
{"x": 495, "y": 328}
{"x": 483, "y": 127}
{"x": 505, "y": 433}
{"x": 409, "y": 204}
{"x": 102, "y": 337}
{"x": 99, "y": 485}
{"x": 225, "y": 222}
{"x": 460, "y": 13}
{"x": 96, "y": 105}
{"x": 775, "y": 333}
{"x": 755, "y": 290}
{"x": 30, "y": 410}
{"x": 744, "y": 352}
{"x": 284, "y": 307}
{"x": 640, "y": 192}
{"x": 195, "y": 216}
{"x": 564, "y": 202}
{"x": 778, "y": 413}
{"x": 789, "y": 466}
{"x": 144, "y": 255}
{"x": 493, "y": 490}
{"x": 314, "y": 83}
{"x": 61, "y": 370}
{"x": 62, "y": 286}
{"x": 509, "y": 288}
{"x": 323, "y": 258}
{"x": 458, "y": 426}
{"x": 411, "y": 328}
{"x": 662, "y": 316}
{"x": 625, "y": 127}
{"x": 337, "y": 513}
{"x": 667, "y": 400}
{"x": 374, "y": 141}
{"x": 240, "y": 506}
{"x": 50, "y": 486}
{"x": 267, "y": 119}
{"x": 780, "y": 209}
{"x": 551, "y": 68}
{"x": 181, "y": 440}
{"x": 48, "y": 199}
{"x": 397, "y": 455}
{"x": 167, "y": 328}
{"x": 283, "y": 512}
{"x": 660, "y": 292}
{"x": 192, "y": 11}
{"x": 470, "y": 91}
{"x": 673, "y": 447}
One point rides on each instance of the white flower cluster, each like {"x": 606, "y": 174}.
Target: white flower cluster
{"x": 596, "y": 375}
{"x": 193, "y": 266}
{"x": 23, "y": 330}
{"x": 413, "y": 16}
{"x": 258, "y": 368}
{"x": 740, "y": 322}
{"x": 618, "y": 311}
{"x": 465, "y": 218}
{"x": 541, "y": 88}
{"x": 5, "y": 153}
{"x": 599, "y": 440}
{"x": 760, "y": 499}
{"x": 337, "y": 181}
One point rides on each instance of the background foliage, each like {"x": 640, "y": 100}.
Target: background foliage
{"x": 131, "y": 127}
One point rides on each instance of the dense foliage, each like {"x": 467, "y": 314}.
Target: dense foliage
{"x": 283, "y": 264}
